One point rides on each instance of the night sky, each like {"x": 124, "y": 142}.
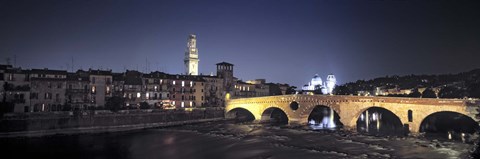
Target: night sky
{"x": 282, "y": 41}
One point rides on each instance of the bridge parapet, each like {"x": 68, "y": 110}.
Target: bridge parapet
{"x": 346, "y": 98}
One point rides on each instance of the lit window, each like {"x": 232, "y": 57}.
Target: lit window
{"x": 173, "y": 103}
{"x": 183, "y": 83}
{"x": 156, "y": 88}
{"x": 108, "y": 89}
{"x": 147, "y": 95}
{"x": 94, "y": 89}
{"x": 138, "y": 95}
{"x": 191, "y": 83}
{"x": 173, "y": 82}
{"x": 183, "y": 104}
{"x": 161, "y": 81}
{"x": 191, "y": 103}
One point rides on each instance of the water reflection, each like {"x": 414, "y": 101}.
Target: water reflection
{"x": 326, "y": 123}
{"x": 323, "y": 117}
{"x": 379, "y": 121}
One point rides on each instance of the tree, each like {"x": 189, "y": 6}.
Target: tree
{"x": 274, "y": 89}
{"x": 452, "y": 92}
{"x": 291, "y": 90}
{"x": 429, "y": 93}
{"x": 317, "y": 90}
{"x": 474, "y": 90}
{"x": 115, "y": 103}
{"x": 144, "y": 105}
{"x": 342, "y": 90}
{"x": 415, "y": 93}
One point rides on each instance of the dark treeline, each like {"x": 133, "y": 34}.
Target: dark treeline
{"x": 465, "y": 84}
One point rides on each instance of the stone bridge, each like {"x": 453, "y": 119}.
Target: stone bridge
{"x": 411, "y": 111}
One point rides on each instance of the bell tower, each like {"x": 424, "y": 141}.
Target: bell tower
{"x": 191, "y": 56}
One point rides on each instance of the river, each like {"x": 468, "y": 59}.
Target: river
{"x": 230, "y": 140}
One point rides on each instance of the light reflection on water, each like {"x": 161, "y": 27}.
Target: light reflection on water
{"x": 230, "y": 140}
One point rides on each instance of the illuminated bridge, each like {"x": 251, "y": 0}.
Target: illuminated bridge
{"x": 412, "y": 114}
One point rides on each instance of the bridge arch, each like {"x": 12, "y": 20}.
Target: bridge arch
{"x": 444, "y": 122}
{"x": 275, "y": 114}
{"x": 379, "y": 120}
{"x": 240, "y": 114}
{"x": 324, "y": 116}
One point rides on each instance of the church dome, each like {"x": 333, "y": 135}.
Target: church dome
{"x": 316, "y": 80}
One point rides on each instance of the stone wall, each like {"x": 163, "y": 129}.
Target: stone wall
{"x": 64, "y": 120}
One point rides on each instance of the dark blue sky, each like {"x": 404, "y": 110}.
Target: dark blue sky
{"x": 282, "y": 41}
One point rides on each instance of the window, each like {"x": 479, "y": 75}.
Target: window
{"x": 107, "y": 90}
{"x": 93, "y": 80}
{"x": 147, "y": 95}
{"x": 183, "y": 97}
{"x": 34, "y": 96}
{"x": 59, "y": 85}
{"x": 94, "y": 90}
{"x": 183, "y": 104}
{"x": 410, "y": 116}
{"x": 48, "y": 95}
{"x": 49, "y": 84}
{"x": 183, "y": 83}
{"x": 191, "y": 83}
{"x": 173, "y": 82}
{"x": 139, "y": 95}
{"x": 155, "y": 88}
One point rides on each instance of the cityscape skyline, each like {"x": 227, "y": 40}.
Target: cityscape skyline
{"x": 302, "y": 39}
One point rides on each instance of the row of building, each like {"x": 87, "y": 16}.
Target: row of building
{"x": 36, "y": 90}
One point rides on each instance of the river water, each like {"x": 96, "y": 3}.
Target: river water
{"x": 230, "y": 140}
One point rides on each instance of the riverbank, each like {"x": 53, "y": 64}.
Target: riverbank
{"x": 52, "y": 123}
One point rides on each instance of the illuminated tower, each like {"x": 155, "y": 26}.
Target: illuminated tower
{"x": 191, "y": 56}
{"x": 330, "y": 84}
